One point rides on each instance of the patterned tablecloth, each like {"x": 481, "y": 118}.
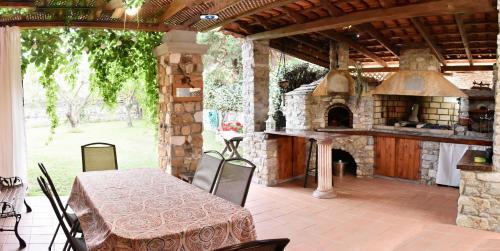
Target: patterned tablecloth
{"x": 147, "y": 209}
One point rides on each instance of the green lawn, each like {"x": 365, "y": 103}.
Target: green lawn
{"x": 136, "y": 147}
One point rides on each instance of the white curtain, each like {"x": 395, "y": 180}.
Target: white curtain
{"x": 449, "y": 156}
{"x": 12, "y": 131}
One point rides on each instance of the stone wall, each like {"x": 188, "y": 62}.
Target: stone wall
{"x": 180, "y": 129}
{"x": 255, "y": 93}
{"x": 317, "y": 110}
{"x": 361, "y": 149}
{"x": 263, "y": 152}
{"x": 429, "y": 159}
{"x": 433, "y": 110}
{"x": 479, "y": 202}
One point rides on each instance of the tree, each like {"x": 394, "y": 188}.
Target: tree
{"x": 222, "y": 73}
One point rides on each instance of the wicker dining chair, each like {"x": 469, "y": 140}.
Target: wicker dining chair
{"x": 99, "y": 157}
{"x": 208, "y": 170}
{"x": 71, "y": 218}
{"x": 261, "y": 245}
{"x": 76, "y": 243}
{"x": 234, "y": 180}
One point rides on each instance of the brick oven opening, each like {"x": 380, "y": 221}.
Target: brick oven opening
{"x": 347, "y": 159}
{"x": 339, "y": 116}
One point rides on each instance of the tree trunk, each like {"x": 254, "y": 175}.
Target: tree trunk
{"x": 73, "y": 119}
{"x": 128, "y": 107}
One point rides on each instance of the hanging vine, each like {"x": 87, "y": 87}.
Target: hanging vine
{"x": 115, "y": 57}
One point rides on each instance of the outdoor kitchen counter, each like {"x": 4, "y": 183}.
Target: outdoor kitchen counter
{"x": 418, "y": 134}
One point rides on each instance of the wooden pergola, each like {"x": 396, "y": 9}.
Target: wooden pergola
{"x": 461, "y": 33}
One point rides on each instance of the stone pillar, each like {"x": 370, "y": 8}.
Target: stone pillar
{"x": 479, "y": 201}
{"x": 255, "y": 56}
{"x": 325, "y": 188}
{"x": 180, "y": 119}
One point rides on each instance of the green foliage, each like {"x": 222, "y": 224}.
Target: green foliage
{"x": 134, "y": 3}
{"x": 359, "y": 83}
{"x": 115, "y": 58}
{"x": 297, "y": 74}
{"x": 13, "y": 11}
{"x": 222, "y": 72}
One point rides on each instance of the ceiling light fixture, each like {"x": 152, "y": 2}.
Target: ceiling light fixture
{"x": 209, "y": 17}
{"x": 132, "y": 11}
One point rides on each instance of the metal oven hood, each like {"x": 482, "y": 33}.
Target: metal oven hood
{"x": 418, "y": 83}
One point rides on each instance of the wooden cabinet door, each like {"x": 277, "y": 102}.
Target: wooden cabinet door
{"x": 408, "y": 158}
{"x": 299, "y": 156}
{"x": 385, "y": 159}
{"x": 285, "y": 157}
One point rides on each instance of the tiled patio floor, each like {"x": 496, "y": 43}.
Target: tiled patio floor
{"x": 368, "y": 214}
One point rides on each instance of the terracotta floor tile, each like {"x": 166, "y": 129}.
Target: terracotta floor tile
{"x": 367, "y": 215}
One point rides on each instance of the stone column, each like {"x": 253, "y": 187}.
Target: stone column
{"x": 325, "y": 188}
{"x": 180, "y": 119}
{"x": 255, "y": 56}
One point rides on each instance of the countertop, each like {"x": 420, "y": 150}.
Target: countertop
{"x": 420, "y": 134}
{"x": 467, "y": 162}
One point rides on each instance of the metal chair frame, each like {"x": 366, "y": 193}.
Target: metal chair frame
{"x": 216, "y": 172}
{"x": 7, "y": 209}
{"x": 70, "y": 233}
{"x": 279, "y": 245}
{"x": 248, "y": 181}
{"x": 62, "y": 207}
{"x": 98, "y": 143}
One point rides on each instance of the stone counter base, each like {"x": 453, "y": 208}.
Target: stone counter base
{"x": 479, "y": 202}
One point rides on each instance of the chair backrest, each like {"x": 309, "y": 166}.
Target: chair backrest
{"x": 48, "y": 193}
{"x": 234, "y": 180}
{"x": 99, "y": 157}
{"x": 54, "y": 191}
{"x": 262, "y": 245}
{"x": 208, "y": 170}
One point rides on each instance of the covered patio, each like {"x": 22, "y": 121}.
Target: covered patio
{"x": 398, "y": 104}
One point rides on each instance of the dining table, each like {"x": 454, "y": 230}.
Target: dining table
{"x": 148, "y": 209}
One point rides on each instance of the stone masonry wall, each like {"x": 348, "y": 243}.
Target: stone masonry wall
{"x": 255, "y": 93}
{"x": 181, "y": 124}
{"x": 429, "y": 159}
{"x": 479, "y": 201}
{"x": 317, "y": 109}
{"x": 362, "y": 150}
{"x": 263, "y": 153}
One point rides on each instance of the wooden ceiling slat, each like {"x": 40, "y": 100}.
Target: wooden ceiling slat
{"x": 413, "y": 10}
{"x": 249, "y": 13}
{"x": 425, "y": 35}
{"x": 463, "y": 34}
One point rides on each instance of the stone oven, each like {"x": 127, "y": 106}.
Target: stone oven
{"x": 338, "y": 116}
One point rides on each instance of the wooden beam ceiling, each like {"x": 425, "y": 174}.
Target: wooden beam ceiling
{"x": 275, "y": 4}
{"x": 92, "y": 25}
{"x": 219, "y": 6}
{"x": 453, "y": 68}
{"x": 463, "y": 34}
{"x": 332, "y": 10}
{"x": 372, "y": 31}
{"x": 14, "y": 4}
{"x": 380, "y": 14}
{"x": 341, "y": 38}
{"x": 174, "y": 7}
{"x": 430, "y": 42}
{"x": 387, "y": 3}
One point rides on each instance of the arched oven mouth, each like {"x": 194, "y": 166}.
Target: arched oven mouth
{"x": 338, "y": 116}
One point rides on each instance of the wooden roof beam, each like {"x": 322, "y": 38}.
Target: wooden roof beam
{"x": 13, "y": 4}
{"x": 219, "y": 6}
{"x": 332, "y": 10}
{"x": 460, "y": 23}
{"x": 387, "y": 3}
{"x": 341, "y": 38}
{"x": 297, "y": 17}
{"x": 174, "y": 7}
{"x": 92, "y": 25}
{"x": 372, "y": 31}
{"x": 275, "y": 4}
{"x": 381, "y": 14}
{"x": 430, "y": 42}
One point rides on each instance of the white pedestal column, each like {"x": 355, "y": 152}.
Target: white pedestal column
{"x": 325, "y": 188}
